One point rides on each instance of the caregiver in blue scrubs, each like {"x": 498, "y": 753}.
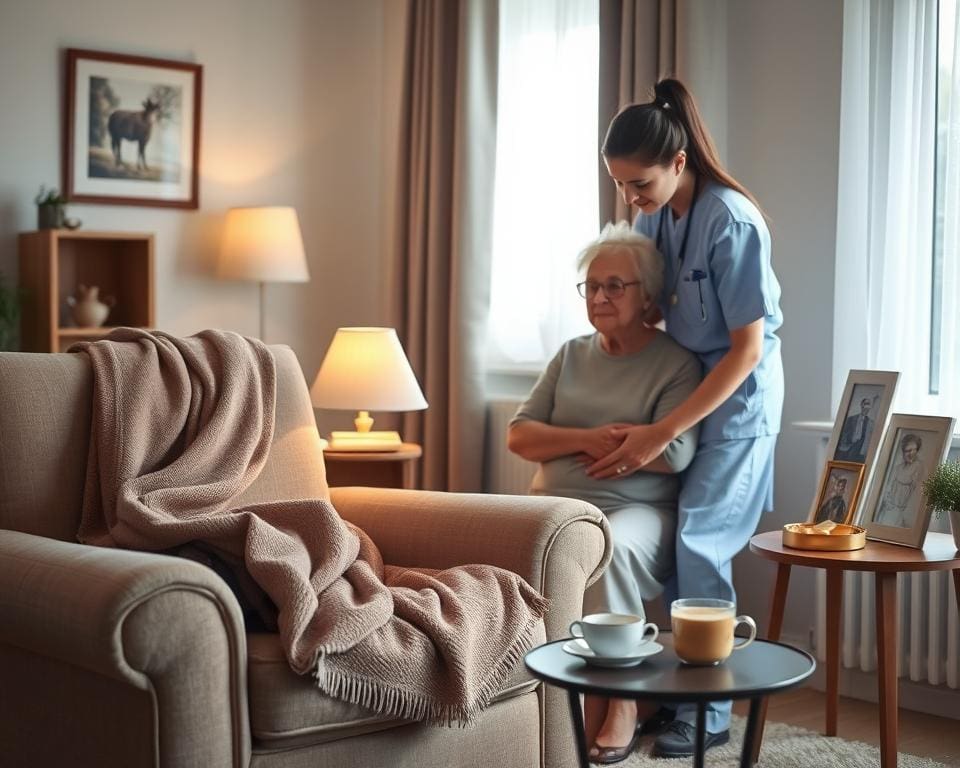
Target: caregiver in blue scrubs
{"x": 721, "y": 301}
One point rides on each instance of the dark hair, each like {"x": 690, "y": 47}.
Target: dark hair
{"x": 910, "y": 438}
{"x": 654, "y": 132}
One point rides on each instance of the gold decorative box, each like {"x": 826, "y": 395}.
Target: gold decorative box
{"x": 826, "y": 536}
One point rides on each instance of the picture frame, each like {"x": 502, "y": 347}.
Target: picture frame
{"x": 895, "y": 510}
{"x": 132, "y": 134}
{"x": 839, "y": 492}
{"x": 855, "y": 439}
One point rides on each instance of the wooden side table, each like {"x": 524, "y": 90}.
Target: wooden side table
{"x": 378, "y": 469}
{"x": 886, "y": 561}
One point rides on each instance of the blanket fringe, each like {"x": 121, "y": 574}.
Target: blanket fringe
{"x": 408, "y": 705}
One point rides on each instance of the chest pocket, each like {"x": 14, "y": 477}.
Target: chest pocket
{"x": 695, "y": 301}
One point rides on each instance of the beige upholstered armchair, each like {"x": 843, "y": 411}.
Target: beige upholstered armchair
{"x": 119, "y": 658}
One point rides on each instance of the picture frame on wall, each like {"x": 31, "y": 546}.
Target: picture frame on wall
{"x": 839, "y": 492}
{"x": 895, "y": 510}
{"x": 132, "y": 133}
{"x": 858, "y": 428}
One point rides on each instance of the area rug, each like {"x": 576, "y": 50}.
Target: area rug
{"x": 784, "y": 746}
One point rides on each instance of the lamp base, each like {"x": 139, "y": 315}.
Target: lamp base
{"x": 365, "y": 441}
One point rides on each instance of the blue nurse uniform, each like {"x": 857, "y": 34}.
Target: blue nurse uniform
{"x": 724, "y": 282}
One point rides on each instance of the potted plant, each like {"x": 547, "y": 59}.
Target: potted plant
{"x": 942, "y": 490}
{"x": 9, "y": 314}
{"x": 50, "y": 208}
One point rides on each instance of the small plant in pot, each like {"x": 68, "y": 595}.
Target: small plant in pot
{"x": 51, "y": 209}
{"x": 942, "y": 490}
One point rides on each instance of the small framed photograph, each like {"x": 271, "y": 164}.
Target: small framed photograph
{"x": 858, "y": 427}
{"x": 895, "y": 509}
{"x": 839, "y": 492}
{"x": 132, "y": 130}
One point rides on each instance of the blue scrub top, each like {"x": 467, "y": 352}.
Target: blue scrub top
{"x": 725, "y": 282}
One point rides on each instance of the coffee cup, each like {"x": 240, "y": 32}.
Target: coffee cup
{"x": 703, "y": 630}
{"x": 614, "y": 634}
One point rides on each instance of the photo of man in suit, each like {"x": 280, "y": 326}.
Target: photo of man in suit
{"x": 834, "y": 507}
{"x": 855, "y": 434}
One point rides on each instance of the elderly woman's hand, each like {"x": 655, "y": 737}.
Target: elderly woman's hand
{"x": 640, "y": 445}
{"x": 601, "y": 441}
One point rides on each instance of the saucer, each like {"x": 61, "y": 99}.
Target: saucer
{"x": 578, "y": 647}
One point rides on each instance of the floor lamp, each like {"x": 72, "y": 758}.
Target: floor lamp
{"x": 263, "y": 245}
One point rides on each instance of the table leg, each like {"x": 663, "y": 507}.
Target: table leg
{"x": 773, "y": 633}
{"x": 956, "y": 586}
{"x": 887, "y": 661}
{"x": 701, "y": 742}
{"x": 576, "y": 715}
{"x": 834, "y": 603}
{"x": 751, "y": 745}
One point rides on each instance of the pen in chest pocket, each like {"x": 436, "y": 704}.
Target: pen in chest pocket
{"x": 697, "y": 276}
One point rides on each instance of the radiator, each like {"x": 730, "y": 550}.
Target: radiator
{"x": 505, "y": 472}
{"x": 928, "y": 644}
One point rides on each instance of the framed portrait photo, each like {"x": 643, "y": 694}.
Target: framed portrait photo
{"x": 132, "y": 130}
{"x": 895, "y": 510}
{"x": 839, "y": 492}
{"x": 858, "y": 427}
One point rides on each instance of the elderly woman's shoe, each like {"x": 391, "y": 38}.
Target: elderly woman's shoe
{"x": 610, "y": 755}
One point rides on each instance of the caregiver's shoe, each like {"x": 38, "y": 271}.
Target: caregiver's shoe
{"x": 680, "y": 740}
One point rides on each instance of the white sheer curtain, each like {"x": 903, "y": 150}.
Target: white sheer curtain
{"x": 882, "y": 295}
{"x": 545, "y": 179}
{"x": 949, "y": 149}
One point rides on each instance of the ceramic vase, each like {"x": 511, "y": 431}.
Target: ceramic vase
{"x": 955, "y": 526}
{"x": 88, "y": 310}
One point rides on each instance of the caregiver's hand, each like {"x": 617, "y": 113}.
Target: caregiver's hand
{"x": 641, "y": 444}
{"x": 603, "y": 440}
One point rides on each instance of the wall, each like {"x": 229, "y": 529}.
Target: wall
{"x": 782, "y": 140}
{"x": 293, "y": 113}
{"x": 300, "y": 107}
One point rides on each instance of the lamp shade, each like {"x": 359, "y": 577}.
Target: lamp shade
{"x": 366, "y": 369}
{"x": 263, "y": 245}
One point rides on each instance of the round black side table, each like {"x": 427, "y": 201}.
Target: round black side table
{"x": 753, "y": 673}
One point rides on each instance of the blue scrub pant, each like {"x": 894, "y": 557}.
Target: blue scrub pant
{"x": 723, "y": 493}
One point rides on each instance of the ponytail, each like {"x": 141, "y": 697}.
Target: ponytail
{"x": 654, "y": 132}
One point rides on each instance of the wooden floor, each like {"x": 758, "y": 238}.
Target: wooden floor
{"x": 925, "y": 735}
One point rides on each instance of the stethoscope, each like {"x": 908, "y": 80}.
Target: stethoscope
{"x": 696, "y": 275}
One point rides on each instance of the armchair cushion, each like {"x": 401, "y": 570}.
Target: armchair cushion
{"x": 288, "y": 710}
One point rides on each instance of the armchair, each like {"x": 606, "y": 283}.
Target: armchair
{"x": 120, "y": 658}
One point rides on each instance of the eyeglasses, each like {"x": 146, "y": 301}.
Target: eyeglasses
{"x": 612, "y": 289}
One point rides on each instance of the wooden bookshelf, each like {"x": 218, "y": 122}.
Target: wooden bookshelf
{"x": 54, "y": 262}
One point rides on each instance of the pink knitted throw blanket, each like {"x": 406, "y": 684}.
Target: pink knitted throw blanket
{"x": 181, "y": 426}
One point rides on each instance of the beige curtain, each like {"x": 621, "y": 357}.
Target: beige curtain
{"x": 440, "y": 267}
{"x": 638, "y": 46}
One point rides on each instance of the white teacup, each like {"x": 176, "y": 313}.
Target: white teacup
{"x": 614, "y": 634}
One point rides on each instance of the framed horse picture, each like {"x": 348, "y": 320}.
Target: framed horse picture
{"x": 132, "y": 132}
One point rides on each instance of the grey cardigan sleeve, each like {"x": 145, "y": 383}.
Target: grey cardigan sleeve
{"x": 539, "y": 403}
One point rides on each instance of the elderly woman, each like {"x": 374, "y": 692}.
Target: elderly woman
{"x": 595, "y": 387}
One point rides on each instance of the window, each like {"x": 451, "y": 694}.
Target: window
{"x": 897, "y": 286}
{"x": 546, "y": 187}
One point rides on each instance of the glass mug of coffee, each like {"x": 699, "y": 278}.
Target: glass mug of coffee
{"x": 703, "y": 630}
{"x": 614, "y": 634}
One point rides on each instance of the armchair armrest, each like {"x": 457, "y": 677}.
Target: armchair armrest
{"x": 558, "y": 545}
{"x": 156, "y": 626}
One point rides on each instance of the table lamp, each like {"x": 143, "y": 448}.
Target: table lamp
{"x": 263, "y": 245}
{"x": 365, "y": 369}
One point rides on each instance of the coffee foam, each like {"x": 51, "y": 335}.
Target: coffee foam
{"x": 701, "y": 613}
